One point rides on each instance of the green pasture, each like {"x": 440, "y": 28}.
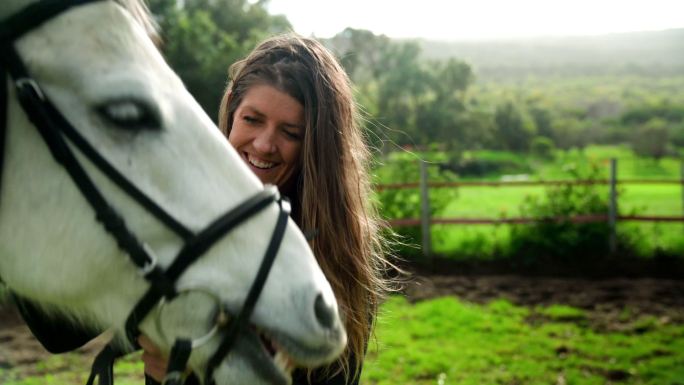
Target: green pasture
{"x": 449, "y": 341}
{"x": 483, "y": 241}
{"x": 500, "y": 202}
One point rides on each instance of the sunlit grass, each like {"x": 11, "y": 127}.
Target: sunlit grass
{"x": 448, "y": 341}
{"x": 73, "y": 369}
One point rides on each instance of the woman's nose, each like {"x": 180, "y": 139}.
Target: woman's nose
{"x": 264, "y": 142}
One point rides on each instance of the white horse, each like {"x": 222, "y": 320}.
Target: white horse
{"x": 102, "y": 71}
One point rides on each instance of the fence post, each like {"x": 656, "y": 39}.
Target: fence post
{"x": 425, "y": 210}
{"x": 681, "y": 180}
{"x": 612, "y": 207}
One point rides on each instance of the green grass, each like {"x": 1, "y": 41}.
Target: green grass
{"x": 72, "y": 369}
{"x": 448, "y": 341}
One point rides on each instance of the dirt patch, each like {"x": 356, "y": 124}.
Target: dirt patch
{"x": 615, "y": 304}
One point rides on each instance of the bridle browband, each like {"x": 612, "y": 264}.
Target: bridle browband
{"x": 56, "y": 131}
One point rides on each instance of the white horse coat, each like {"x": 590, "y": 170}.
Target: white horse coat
{"x": 98, "y": 66}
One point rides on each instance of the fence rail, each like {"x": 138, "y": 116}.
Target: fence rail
{"x": 397, "y": 186}
{"x": 612, "y": 217}
{"x": 522, "y": 220}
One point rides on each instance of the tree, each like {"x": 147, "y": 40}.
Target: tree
{"x": 514, "y": 132}
{"x": 410, "y": 101}
{"x": 202, "y": 38}
{"x": 542, "y": 147}
{"x": 361, "y": 53}
{"x": 651, "y": 139}
{"x": 542, "y": 121}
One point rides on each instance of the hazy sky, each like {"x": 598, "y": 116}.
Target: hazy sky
{"x": 476, "y": 19}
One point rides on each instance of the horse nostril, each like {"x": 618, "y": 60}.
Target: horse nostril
{"x": 325, "y": 314}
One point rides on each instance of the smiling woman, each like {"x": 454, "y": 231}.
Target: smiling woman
{"x": 290, "y": 113}
{"x": 267, "y": 132}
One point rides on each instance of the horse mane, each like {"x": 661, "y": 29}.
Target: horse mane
{"x": 141, "y": 13}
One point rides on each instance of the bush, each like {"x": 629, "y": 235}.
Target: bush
{"x": 542, "y": 147}
{"x": 555, "y": 237}
{"x": 651, "y": 139}
{"x": 485, "y": 164}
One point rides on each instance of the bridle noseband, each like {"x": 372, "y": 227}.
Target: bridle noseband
{"x": 56, "y": 130}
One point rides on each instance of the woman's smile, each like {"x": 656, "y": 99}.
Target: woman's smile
{"x": 259, "y": 163}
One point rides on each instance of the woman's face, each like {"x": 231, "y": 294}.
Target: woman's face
{"x": 267, "y": 132}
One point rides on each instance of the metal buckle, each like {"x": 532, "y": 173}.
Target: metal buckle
{"x": 173, "y": 378}
{"x": 151, "y": 263}
{"x": 221, "y": 317}
{"x": 30, "y": 82}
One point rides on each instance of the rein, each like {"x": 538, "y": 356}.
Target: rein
{"x": 57, "y": 133}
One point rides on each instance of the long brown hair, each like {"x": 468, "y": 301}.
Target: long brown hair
{"x": 333, "y": 189}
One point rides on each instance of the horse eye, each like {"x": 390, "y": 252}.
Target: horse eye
{"x": 130, "y": 114}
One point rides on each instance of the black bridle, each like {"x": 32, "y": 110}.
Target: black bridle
{"x": 56, "y": 132}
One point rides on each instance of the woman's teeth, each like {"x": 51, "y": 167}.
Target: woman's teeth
{"x": 259, "y": 163}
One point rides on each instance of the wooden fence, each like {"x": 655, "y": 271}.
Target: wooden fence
{"x": 612, "y": 216}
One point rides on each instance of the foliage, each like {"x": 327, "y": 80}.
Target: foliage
{"x": 651, "y": 139}
{"x": 450, "y": 341}
{"x": 411, "y": 101}
{"x": 202, "y": 38}
{"x": 555, "y": 235}
{"x": 408, "y": 99}
{"x": 663, "y": 110}
{"x": 542, "y": 147}
{"x": 514, "y": 133}
{"x": 485, "y": 164}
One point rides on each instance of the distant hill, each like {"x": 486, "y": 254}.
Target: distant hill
{"x": 656, "y": 53}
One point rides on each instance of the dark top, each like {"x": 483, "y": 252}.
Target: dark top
{"x": 299, "y": 376}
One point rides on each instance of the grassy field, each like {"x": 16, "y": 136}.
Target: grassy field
{"x": 500, "y": 202}
{"x": 450, "y": 341}
{"x": 447, "y": 341}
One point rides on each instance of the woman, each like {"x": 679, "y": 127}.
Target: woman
{"x": 290, "y": 114}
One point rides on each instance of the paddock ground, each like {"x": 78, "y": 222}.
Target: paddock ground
{"x": 604, "y": 301}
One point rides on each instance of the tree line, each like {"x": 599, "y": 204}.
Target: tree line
{"x": 409, "y": 100}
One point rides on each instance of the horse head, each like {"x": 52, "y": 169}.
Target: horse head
{"x": 97, "y": 65}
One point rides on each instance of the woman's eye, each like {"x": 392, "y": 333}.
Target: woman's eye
{"x": 250, "y": 119}
{"x": 293, "y": 135}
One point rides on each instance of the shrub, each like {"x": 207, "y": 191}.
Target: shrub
{"x": 542, "y": 147}
{"x": 554, "y": 236}
{"x": 651, "y": 139}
